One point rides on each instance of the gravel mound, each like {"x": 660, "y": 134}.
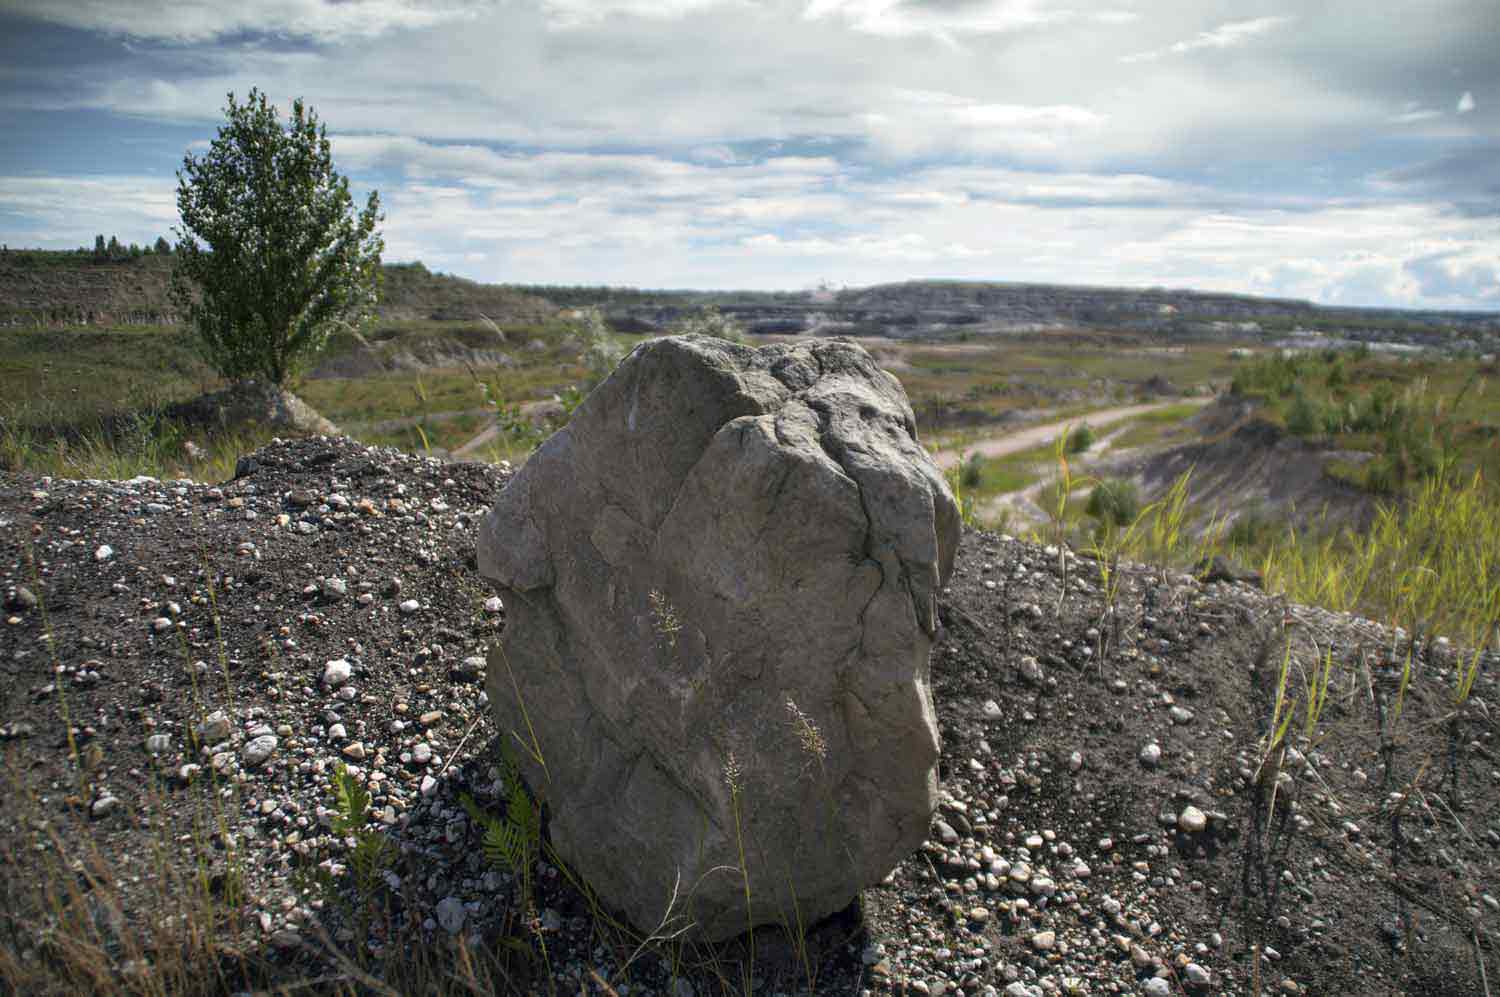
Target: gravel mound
{"x": 1109, "y": 824}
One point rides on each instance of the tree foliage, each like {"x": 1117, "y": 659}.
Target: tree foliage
{"x": 271, "y": 255}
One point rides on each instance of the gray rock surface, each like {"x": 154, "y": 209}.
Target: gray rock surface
{"x": 721, "y": 582}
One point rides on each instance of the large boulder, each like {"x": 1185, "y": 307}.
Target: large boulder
{"x": 720, "y": 583}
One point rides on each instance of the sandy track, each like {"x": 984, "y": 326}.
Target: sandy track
{"x": 1017, "y": 440}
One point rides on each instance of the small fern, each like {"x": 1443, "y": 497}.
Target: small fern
{"x": 373, "y": 852}
{"x": 351, "y": 801}
{"x": 513, "y": 841}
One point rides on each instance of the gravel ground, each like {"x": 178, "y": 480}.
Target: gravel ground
{"x": 1107, "y": 823}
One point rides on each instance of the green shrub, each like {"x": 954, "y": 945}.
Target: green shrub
{"x": 1251, "y": 530}
{"x": 1081, "y": 439}
{"x": 602, "y": 351}
{"x": 1114, "y": 502}
{"x": 709, "y": 321}
{"x": 973, "y": 471}
{"x": 1305, "y": 416}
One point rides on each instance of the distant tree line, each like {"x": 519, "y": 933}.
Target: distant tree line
{"x": 112, "y": 250}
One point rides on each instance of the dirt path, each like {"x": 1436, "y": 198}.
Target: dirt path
{"x": 1024, "y": 506}
{"x": 488, "y": 433}
{"x": 1015, "y": 440}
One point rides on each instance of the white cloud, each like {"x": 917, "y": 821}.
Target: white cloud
{"x": 66, "y": 212}
{"x": 1466, "y": 103}
{"x": 648, "y": 221}
{"x": 948, "y": 23}
{"x": 1419, "y": 114}
{"x": 1224, "y": 36}
{"x": 912, "y": 122}
{"x": 580, "y": 13}
{"x": 648, "y": 142}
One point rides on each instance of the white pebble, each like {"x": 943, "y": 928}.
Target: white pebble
{"x": 337, "y": 672}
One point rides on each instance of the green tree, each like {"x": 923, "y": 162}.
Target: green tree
{"x": 161, "y": 247}
{"x": 283, "y": 257}
{"x": 100, "y": 250}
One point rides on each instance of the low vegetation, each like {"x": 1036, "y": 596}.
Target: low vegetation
{"x": 1416, "y": 418}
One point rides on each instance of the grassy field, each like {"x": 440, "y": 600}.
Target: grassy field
{"x": 973, "y": 383}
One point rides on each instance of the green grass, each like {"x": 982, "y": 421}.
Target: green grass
{"x": 1430, "y": 564}
{"x": 1156, "y": 426}
{"x": 78, "y": 373}
{"x": 145, "y": 443}
{"x": 87, "y": 402}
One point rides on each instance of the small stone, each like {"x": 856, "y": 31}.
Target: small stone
{"x": 430, "y": 717}
{"x": 1181, "y": 716}
{"x": 1196, "y": 975}
{"x": 1158, "y": 987}
{"x": 493, "y": 605}
{"x": 337, "y": 672}
{"x": 104, "y": 806}
{"x": 1151, "y": 755}
{"x": 992, "y": 710}
{"x": 1192, "y": 820}
{"x": 422, "y": 753}
{"x": 429, "y": 785}
{"x": 215, "y": 727}
{"x": 161, "y": 624}
{"x": 451, "y": 914}
{"x": 286, "y": 938}
{"x": 1075, "y": 761}
{"x": 157, "y": 744}
{"x": 354, "y": 752}
{"x": 258, "y": 749}
{"x": 945, "y": 832}
{"x": 334, "y": 589}
{"x": 1044, "y": 941}
{"x": 410, "y": 606}
{"x": 979, "y": 915}
{"x": 337, "y": 733}
{"x": 1031, "y": 670}
{"x": 23, "y": 600}
{"x": 104, "y": 552}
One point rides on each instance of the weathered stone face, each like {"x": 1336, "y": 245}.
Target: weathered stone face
{"x": 720, "y": 582}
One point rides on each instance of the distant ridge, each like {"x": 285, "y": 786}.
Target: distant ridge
{"x": 55, "y": 288}
{"x": 59, "y": 288}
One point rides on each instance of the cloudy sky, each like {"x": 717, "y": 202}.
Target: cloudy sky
{"x": 1345, "y": 151}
